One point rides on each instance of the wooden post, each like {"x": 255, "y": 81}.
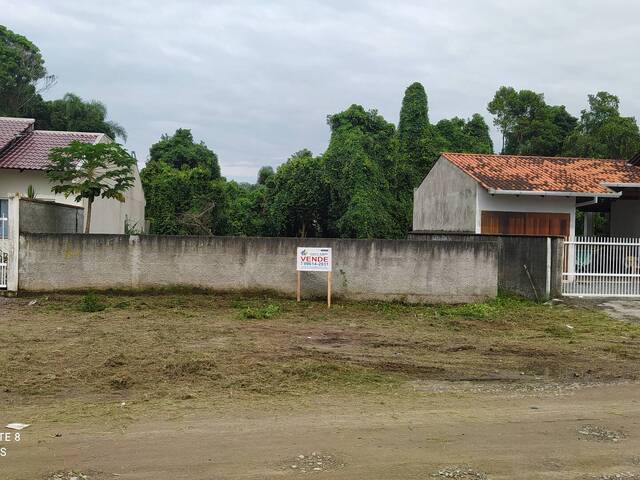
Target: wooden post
{"x": 329, "y": 278}
{"x": 298, "y": 285}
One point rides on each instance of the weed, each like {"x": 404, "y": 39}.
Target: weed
{"x": 253, "y": 313}
{"x": 92, "y": 303}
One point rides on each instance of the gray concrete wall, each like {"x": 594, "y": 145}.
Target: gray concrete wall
{"x": 445, "y": 201}
{"x": 413, "y": 271}
{"x": 39, "y": 216}
{"x": 514, "y": 252}
{"x": 625, "y": 218}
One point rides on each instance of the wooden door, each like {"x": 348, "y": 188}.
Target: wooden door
{"x": 525, "y": 223}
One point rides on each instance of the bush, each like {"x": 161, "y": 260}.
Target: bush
{"x": 92, "y": 303}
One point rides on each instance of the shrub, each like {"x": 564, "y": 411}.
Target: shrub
{"x": 92, "y": 303}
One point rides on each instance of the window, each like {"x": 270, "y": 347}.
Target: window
{"x": 4, "y": 219}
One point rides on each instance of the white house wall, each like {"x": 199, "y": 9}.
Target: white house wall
{"x": 524, "y": 203}
{"x": 445, "y": 201}
{"x": 108, "y": 216}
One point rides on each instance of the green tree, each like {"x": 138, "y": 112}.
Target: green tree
{"x": 21, "y": 69}
{"x": 246, "y": 210}
{"x": 602, "y": 132}
{"x": 528, "y": 125}
{"x": 91, "y": 171}
{"x": 71, "y": 113}
{"x": 469, "y": 136}
{"x": 183, "y": 188}
{"x": 264, "y": 174}
{"x": 361, "y": 153}
{"x": 298, "y": 197}
{"x": 180, "y": 151}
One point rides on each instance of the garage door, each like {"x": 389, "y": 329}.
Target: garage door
{"x": 525, "y": 223}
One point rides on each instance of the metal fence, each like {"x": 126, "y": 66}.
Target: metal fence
{"x": 601, "y": 267}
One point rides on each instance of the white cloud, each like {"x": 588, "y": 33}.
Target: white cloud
{"x": 255, "y": 80}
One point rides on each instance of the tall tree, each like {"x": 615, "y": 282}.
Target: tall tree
{"x": 71, "y": 113}
{"x": 298, "y": 197}
{"x": 183, "y": 188}
{"x": 602, "y": 132}
{"x": 528, "y": 125}
{"x": 180, "y": 151}
{"x": 360, "y": 155}
{"x": 21, "y": 71}
{"x": 89, "y": 171}
{"x": 469, "y": 136}
{"x": 264, "y": 174}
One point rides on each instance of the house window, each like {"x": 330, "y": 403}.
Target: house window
{"x": 4, "y": 219}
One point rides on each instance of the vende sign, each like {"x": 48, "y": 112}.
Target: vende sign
{"x": 313, "y": 259}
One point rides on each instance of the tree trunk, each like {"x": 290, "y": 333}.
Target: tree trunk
{"x": 87, "y": 225}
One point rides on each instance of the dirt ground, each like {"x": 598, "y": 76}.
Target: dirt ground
{"x": 214, "y": 387}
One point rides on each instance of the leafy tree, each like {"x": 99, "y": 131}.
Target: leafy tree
{"x": 264, "y": 174}
{"x": 91, "y": 171}
{"x": 298, "y": 197}
{"x": 528, "y": 125}
{"x": 246, "y": 210}
{"x": 183, "y": 188}
{"x": 602, "y": 132}
{"x": 470, "y": 136}
{"x": 21, "y": 69}
{"x": 71, "y": 113}
{"x": 180, "y": 151}
{"x": 361, "y": 153}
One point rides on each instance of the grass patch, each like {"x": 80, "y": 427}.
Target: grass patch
{"x": 92, "y": 303}
{"x": 260, "y": 313}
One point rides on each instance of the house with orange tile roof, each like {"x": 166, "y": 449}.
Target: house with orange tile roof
{"x": 527, "y": 195}
{"x": 24, "y": 159}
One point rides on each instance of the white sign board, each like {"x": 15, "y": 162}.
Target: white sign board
{"x": 313, "y": 259}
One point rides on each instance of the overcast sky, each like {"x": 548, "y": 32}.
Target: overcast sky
{"x": 255, "y": 80}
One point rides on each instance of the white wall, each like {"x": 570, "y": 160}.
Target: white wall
{"x": 525, "y": 203}
{"x": 108, "y": 215}
{"x": 445, "y": 201}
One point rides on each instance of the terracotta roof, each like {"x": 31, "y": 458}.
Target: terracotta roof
{"x": 10, "y": 128}
{"x": 546, "y": 174}
{"x": 31, "y": 151}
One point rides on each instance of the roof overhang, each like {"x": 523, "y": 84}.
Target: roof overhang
{"x": 493, "y": 191}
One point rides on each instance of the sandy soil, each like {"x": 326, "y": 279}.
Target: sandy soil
{"x": 506, "y": 433}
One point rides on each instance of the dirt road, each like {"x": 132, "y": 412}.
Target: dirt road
{"x": 566, "y": 433}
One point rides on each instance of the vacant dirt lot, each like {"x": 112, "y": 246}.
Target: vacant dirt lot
{"x": 222, "y": 386}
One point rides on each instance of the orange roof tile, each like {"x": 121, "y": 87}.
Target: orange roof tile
{"x": 546, "y": 174}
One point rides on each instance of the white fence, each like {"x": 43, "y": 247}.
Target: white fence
{"x": 601, "y": 267}
{"x": 4, "y": 256}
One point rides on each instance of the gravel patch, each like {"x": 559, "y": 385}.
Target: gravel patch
{"x": 315, "y": 462}
{"x": 599, "y": 434}
{"x": 618, "y": 476}
{"x": 460, "y": 472}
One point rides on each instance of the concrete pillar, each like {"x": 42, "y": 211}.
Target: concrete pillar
{"x": 14, "y": 242}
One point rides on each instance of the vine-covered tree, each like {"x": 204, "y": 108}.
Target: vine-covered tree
{"x": 88, "y": 171}
{"x": 602, "y": 132}
{"x": 298, "y": 197}
{"x": 184, "y": 191}
{"x": 467, "y": 136}
{"x": 360, "y": 156}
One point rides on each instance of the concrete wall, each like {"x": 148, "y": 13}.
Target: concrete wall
{"x": 525, "y": 203}
{"x": 625, "y": 218}
{"x": 446, "y": 200}
{"x": 414, "y": 271}
{"x": 108, "y": 215}
{"x": 542, "y": 256}
{"x": 39, "y": 216}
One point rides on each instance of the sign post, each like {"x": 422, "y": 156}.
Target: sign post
{"x": 314, "y": 259}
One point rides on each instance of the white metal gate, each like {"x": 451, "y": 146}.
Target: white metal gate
{"x": 601, "y": 267}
